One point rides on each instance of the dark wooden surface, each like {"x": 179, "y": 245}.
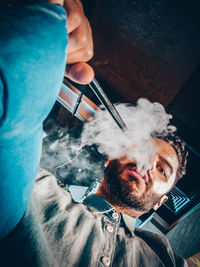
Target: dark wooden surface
{"x": 146, "y": 48}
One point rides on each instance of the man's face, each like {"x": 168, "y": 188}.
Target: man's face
{"x": 142, "y": 192}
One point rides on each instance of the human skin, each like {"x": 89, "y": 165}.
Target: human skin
{"x": 80, "y": 42}
{"x": 148, "y": 189}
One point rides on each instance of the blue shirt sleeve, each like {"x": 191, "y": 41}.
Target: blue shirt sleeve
{"x": 33, "y": 41}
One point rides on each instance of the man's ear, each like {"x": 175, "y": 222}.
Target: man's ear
{"x": 160, "y": 202}
{"x": 107, "y": 162}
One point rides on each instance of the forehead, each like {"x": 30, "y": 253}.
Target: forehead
{"x": 167, "y": 151}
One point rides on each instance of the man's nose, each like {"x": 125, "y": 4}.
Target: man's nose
{"x": 154, "y": 162}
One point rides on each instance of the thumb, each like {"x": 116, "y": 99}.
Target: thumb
{"x": 81, "y": 73}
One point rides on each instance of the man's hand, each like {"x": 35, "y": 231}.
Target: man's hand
{"x": 80, "y": 43}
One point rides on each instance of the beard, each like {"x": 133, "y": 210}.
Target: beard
{"x": 122, "y": 194}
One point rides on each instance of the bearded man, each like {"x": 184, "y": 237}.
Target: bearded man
{"x": 56, "y": 231}
{"x": 50, "y": 229}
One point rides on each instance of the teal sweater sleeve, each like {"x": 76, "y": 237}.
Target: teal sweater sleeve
{"x": 33, "y": 41}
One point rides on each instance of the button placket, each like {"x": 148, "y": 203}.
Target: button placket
{"x": 111, "y": 222}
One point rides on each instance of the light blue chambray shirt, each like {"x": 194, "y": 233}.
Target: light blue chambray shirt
{"x": 56, "y": 231}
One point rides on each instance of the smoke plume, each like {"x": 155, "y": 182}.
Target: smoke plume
{"x": 64, "y": 155}
{"x": 143, "y": 121}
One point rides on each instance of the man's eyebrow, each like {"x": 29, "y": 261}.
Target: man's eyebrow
{"x": 166, "y": 162}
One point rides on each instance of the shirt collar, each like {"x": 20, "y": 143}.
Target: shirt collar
{"x": 129, "y": 223}
{"x": 99, "y": 204}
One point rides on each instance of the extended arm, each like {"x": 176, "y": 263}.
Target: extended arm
{"x": 32, "y": 60}
{"x": 32, "y": 64}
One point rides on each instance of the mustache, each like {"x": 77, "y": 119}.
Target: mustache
{"x": 128, "y": 166}
{"x": 133, "y": 165}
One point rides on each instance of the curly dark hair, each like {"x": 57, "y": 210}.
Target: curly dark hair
{"x": 180, "y": 147}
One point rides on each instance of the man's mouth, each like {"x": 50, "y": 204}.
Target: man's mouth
{"x": 135, "y": 176}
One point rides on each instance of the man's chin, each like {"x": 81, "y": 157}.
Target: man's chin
{"x": 128, "y": 194}
{"x": 133, "y": 186}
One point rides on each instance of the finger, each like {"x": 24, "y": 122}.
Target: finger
{"x": 82, "y": 55}
{"x": 74, "y": 14}
{"x": 80, "y": 38}
{"x": 58, "y": 2}
{"x": 80, "y": 73}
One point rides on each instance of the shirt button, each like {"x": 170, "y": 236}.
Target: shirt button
{"x": 109, "y": 228}
{"x": 106, "y": 261}
{"x": 115, "y": 215}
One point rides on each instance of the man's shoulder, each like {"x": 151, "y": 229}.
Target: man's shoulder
{"x": 46, "y": 190}
{"x": 150, "y": 236}
{"x": 157, "y": 242}
{"x": 161, "y": 247}
{"x": 49, "y": 197}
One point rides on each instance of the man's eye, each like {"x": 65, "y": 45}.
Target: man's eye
{"x": 161, "y": 170}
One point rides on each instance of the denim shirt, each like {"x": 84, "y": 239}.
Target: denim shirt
{"x": 56, "y": 231}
